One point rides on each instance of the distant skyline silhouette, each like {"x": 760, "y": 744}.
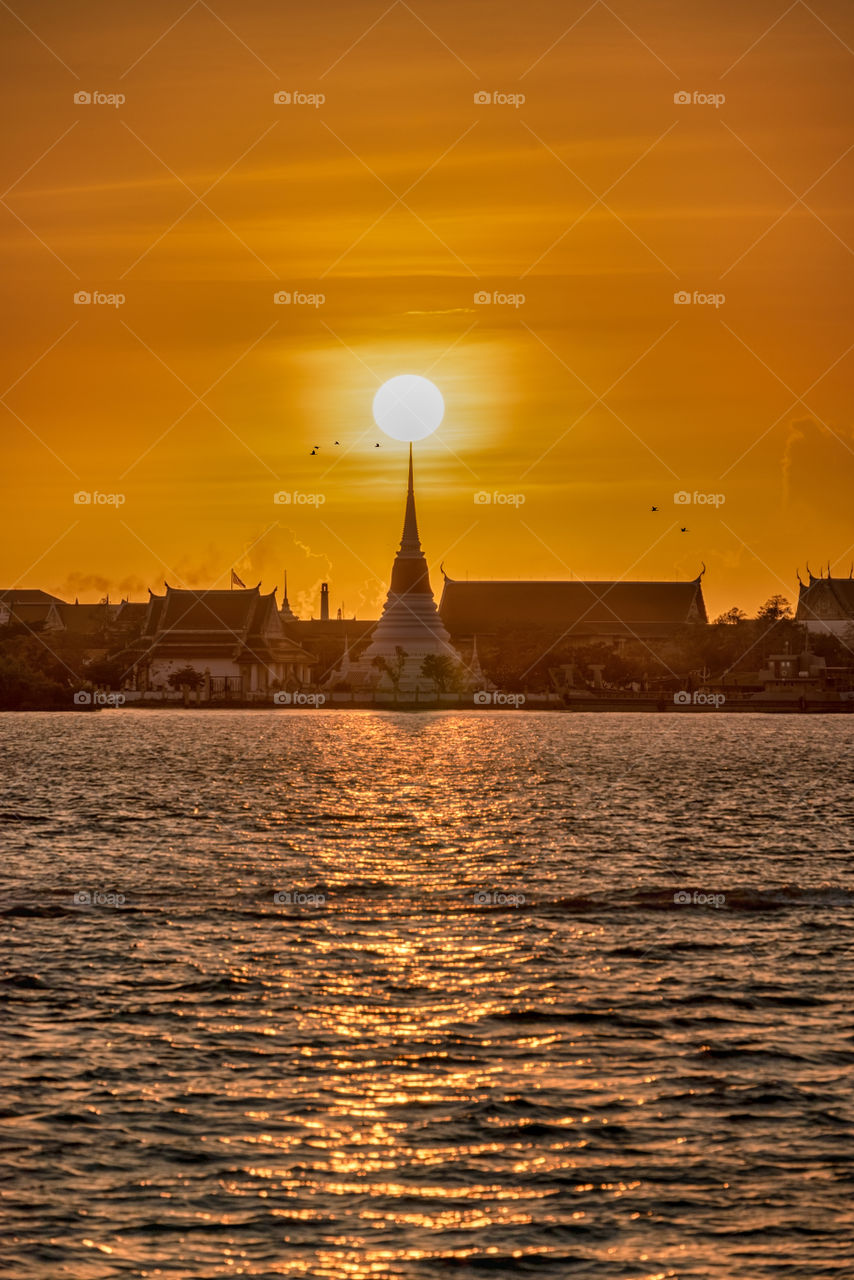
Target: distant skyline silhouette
{"x": 632, "y": 284}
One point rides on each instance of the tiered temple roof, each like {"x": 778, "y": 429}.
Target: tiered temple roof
{"x": 575, "y": 607}
{"x": 242, "y": 626}
{"x": 30, "y": 608}
{"x": 826, "y": 602}
{"x": 87, "y": 619}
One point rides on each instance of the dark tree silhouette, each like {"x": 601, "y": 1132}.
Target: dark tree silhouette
{"x": 394, "y": 670}
{"x": 186, "y": 678}
{"x": 441, "y": 669}
{"x": 774, "y": 610}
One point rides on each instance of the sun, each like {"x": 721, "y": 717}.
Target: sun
{"x": 408, "y": 407}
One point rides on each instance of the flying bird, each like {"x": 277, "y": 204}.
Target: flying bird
{"x": 654, "y": 508}
{"x": 683, "y": 529}
{"x": 376, "y": 446}
{"x": 313, "y": 452}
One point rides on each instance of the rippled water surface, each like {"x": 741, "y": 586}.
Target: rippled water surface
{"x": 485, "y": 1037}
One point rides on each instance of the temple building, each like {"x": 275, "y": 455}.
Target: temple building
{"x": 826, "y": 604}
{"x": 234, "y": 640}
{"x": 30, "y": 610}
{"x": 409, "y": 630}
{"x": 586, "y": 612}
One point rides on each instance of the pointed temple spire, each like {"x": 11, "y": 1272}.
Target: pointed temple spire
{"x": 410, "y": 619}
{"x": 286, "y": 613}
{"x": 409, "y": 573}
{"x": 410, "y": 543}
{"x": 409, "y": 630}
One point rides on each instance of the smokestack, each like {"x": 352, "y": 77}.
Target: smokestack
{"x": 324, "y": 602}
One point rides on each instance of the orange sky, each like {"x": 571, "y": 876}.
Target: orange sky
{"x": 398, "y": 199}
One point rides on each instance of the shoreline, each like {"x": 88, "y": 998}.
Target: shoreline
{"x": 582, "y": 707}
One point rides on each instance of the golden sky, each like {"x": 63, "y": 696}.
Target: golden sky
{"x": 398, "y": 198}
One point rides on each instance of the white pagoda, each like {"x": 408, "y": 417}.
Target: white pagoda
{"x": 409, "y": 630}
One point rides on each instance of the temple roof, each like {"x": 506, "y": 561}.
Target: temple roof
{"x": 468, "y": 608}
{"x": 85, "y": 618}
{"x": 131, "y": 612}
{"x": 243, "y": 625}
{"x": 32, "y": 613}
{"x": 26, "y": 595}
{"x": 181, "y": 610}
{"x": 826, "y": 599}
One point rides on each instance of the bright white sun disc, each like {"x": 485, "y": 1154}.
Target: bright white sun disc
{"x": 408, "y": 407}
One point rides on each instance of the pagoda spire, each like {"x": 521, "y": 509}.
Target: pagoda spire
{"x": 286, "y": 613}
{"x": 409, "y": 572}
{"x": 410, "y": 628}
{"x": 410, "y": 543}
{"x": 410, "y": 618}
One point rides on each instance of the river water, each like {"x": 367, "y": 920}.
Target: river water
{"x": 360, "y": 996}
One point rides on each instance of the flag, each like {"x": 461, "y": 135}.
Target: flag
{"x": 235, "y": 581}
